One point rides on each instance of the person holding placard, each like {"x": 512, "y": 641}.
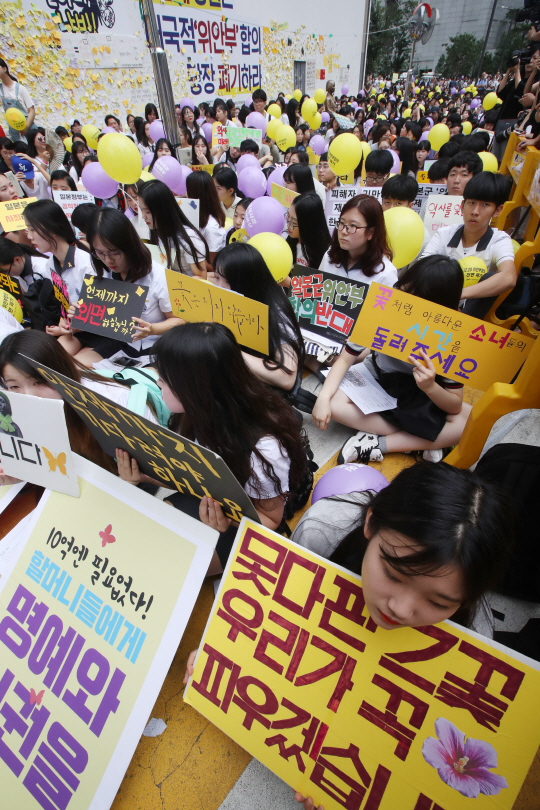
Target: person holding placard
{"x": 309, "y": 238}
{"x": 200, "y": 186}
{"x": 22, "y": 261}
{"x": 185, "y": 247}
{"x": 62, "y": 181}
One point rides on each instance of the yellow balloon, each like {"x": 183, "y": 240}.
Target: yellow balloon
{"x": 405, "y": 231}
{"x": 119, "y": 157}
{"x": 146, "y": 176}
{"x": 228, "y": 223}
{"x": 344, "y": 153}
{"x": 319, "y": 96}
{"x": 437, "y": 89}
{"x": 288, "y": 98}
{"x": 473, "y": 270}
{"x": 430, "y": 95}
{"x": 309, "y": 108}
{"x": 490, "y": 162}
{"x": 297, "y": 95}
{"x": 315, "y": 121}
{"x": 416, "y": 90}
{"x": 467, "y": 127}
{"x": 438, "y": 135}
{"x": 274, "y": 110}
{"x": 272, "y": 127}
{"x": 366, "y": 148}
{"x": 381, "y": 95}
{"x": 516, "y": 246}
{"x": 91, "y": 133}
{"x": 68, "y": 143}
{"x": 381, "y": 118}
{"x": 10, "y": 303}
{"x": 489, "y": 101}
{"x": 16, "y": 118}
{"x": 285, "y": 137}
{"x": 399, "y": 93}
{"x": 276, "y": 253}
{"x": 407, "y": 114}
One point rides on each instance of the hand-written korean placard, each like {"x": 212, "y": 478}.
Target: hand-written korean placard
{"x": 195, "y": 300}
{"x": 441, "y": 210}
{"x": 462, "y": 348}
{"x": 425, "y": 190}
{"x": 12, "y": 214}
{"x": 336, "y": 200}
{"x": 283, "y": 195}
{"x": 69, "y": 200}
{"x": 107, "y": 307}
{"x": 239, "y": 134}
{"x": 219, "y": 135}
{"x": 293, "y": 668}
{"x": 166, "y": 456}
{"x": 204, "y": 167}
{"x": 11, "y": 285}
{"x": 324, "y": 303}
{"x": 60, "y": 292}
{"x": 89, "y": 623}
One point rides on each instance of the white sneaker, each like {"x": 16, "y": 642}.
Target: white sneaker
{"x": 433, "y": 455}
{"x": 362, "y": 447}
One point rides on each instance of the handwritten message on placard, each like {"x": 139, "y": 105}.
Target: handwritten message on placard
{"x": 425, "y": 190}
{"x": 283, "y": 195}
{"x": 422, "y": 177}
{"x": 60, "y": 292}
{"x": 190, "y": 208}
{"x": 219, "y": 134}
{"x": 193, "y": 299}
{"x": 293, "y": 668}
{"x": 239, "y": 134}
{"x": 441, "y": 210}
{"x": 326, "y": 304}
{"x": 88, "y": 631}
{"x": 172, "y": 459}
{"x": 34, "y": 442}
{"x": 516, "y": 165}
{"x": 69, "y": 200}
{"x": 11, "y": 285}
{"x": 336, "y": 200}
{"x": 12, "y": 214}
{"x": 107, "y": 307}
{"x": 465, "y": 349}
{"x": 209, "y": 167}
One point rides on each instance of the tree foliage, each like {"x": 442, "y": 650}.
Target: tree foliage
{"x": 389, "y": 50}
{"x": 461, "y": 57}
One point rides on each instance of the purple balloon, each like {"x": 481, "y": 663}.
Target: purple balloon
{"x": 252, "y": 182}
{"x": 245, "y": 161}
{"x": 453, "y": 91}
{"x": 367, "y": 125}
{"x": 354, "y": 105}
{"x": 361, "y": 93}
{"x": 97, "y": 182}
{"x": 181, "y": 189}
{"x": 130, "y": 213}
{"x": 276, "y": 177}
{"x": 187, "y": 102}
{"x": 475, "y": 103}
{"x": 207, "y": 132}
{"x": 156, "y": 131}
{"x": 395, "y": 167}
{"x": 348, "y": 478}
{"x": 318, "y": 144}
{"x": 430, "y": 119}
{"x": 424, "y": 136}
{"x": 345, "y": 90}
{"x": 325, "y": 117}
{"x": 257, "y": 121}
{"x": 264, "y": 215}
{"x": 147, "y": 160}
{"x": 105, "y": 130}
{"x": 168, "y": 170}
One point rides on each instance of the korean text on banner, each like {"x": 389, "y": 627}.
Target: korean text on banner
{"x": 336, "y": 200}
{"x": 425, "y": 190}
{"x": 195, "y": 300}
{"x": 441, "y": 210}
{"x": 107, "y": 307}
{"x": 92, "y": 609}
{"x": 12, "y": 214}
{"x": 463, "y": 348}
{"x": 219, "y": 135}
{"x": 283, "y": 195}
{"x": 239, "y": 134}
{"x": 166, "y": 456}
{"x": 293, "y": 668}
{"x": 69, "y": 200}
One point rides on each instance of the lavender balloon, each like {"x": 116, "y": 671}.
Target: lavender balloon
{"x": 207, "y": 132}
{"x": 424, "y": 136}
{"x": 105, "y": 130}
{"x": 168, "y": 170}
{"x": 246, "y": 161}
{"x": 361, "y": 93}
{"x": 430, "y": 119}
{"x": 475, "y": 103}
{"x": 453, "y": 91}
{"x": 181, "y": 189}
{"x": 276, "y": 177}
{"x": 187, "y": 102}
{"x": 348, "y": 478}
{"x": 325, "y": 117}
{"x": 97, "y": 182}
{"x": 367, "y": 125}
{"x": 201, "y": 120}
{"x": 345, "y": 90}
{"x": 257, "y": 121}
{"x": 252, "y": 182}
{"x": 156, "y": 130}
{"x": 264, "y": 215}
{"x": 354, "y": 105}
{"x": 395, "y": 167}
{"x": 147, "y": 160}
{"x": 318, "y": 144}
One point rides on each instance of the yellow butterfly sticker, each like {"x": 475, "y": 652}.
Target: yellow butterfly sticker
{"x": 140, "y": 290}
{"x": 110, "y": 310}
{"x": 54, "y": 462}
{"x": 88, "y": 281}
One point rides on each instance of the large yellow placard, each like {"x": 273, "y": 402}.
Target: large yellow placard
{"x": 12, "y": 214}
{"x": 283, "y": 195}
{"x": 193, "y": 299}
{"x": 293, "y": 668}
{"x": 460, "y": 347}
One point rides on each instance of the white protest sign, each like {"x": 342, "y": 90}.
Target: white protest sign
{"x": 425, "y": 190}
{"x": 16, "y": 186}
{"x": 34, "y": 442}
{"x": 190, "y": 208}
{"x": 68, "y": 200}
{"x": 441, "y": 210}
{"x": 336, "y": 199}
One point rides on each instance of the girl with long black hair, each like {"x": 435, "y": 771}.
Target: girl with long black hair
{"x": 79, "y": 151}
{"x": 163, "y": 148}
{"x": 200, "y": 186}
{"x": 297, "y": 177}
{"x": 309, "y": 237}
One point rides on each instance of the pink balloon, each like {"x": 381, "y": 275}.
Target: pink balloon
{"x": 345, "y": 90}
{"x": 187, "y": 102}
{"x": 395, "y": 158}
{"x": 257, "y": 121}
{"x": 97, "y": 182}
{"x": 147, "y": 160}
{"x": 207, "y": 132}
{"x": 276, "y": 177}
{"x": 318, "y": 144}
{"x": 264, "y": 215}
{"x": 156, "y": 130}
{"x": 105, "y": 130}
{"x": 325, "y": 117}
{"x": 246, "y": 161}
{"x": 168, "y": 170}
{"x": 252, "y": 182}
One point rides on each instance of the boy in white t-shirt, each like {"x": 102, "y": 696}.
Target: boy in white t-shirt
{"x": 483, "y": 198}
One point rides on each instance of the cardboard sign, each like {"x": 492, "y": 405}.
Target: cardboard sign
{"x": 425, "y": 190}
{"x": 172, "y": 459}
{"x": 283, "y": 195}
{"x": 336, "y": 200}
{"x": 238, "y": 134}
{"x": 422, "y": 177}
{"x": 92, "y": 609}
{"x": 195, "y": 300}
{"x": 203, "y": 168}
{"x": 60, "y": 292}
{"x": 371, "y": 191}
{"x": 441, "y": 210}
{"x": 11, "y": 285}
{"x": 69, "y": 200}
{"x": 107, "y": 307}
{"x": 159, "y": 255}
{"x": 191, "y": 209}
{"x": 10, "y": 176}
{"x": 184, "y": 155}
{"x": 34, "y": 442}
{"x": 462, "y": 348}
{"x": 11, "y": 214}
{"x": 292, "y": 667}
{"x": 326, "y": 304}
{"x": 219, "y": 135}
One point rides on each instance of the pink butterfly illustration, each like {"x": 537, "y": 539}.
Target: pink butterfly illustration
{"x": 107, "y": 536}
{"x": 36, "y": 698}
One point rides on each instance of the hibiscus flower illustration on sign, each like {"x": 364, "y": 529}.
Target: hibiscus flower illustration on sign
{"x": 464, "y": 766}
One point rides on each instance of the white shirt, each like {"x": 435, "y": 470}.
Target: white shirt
{"x": 119, "y": 394}
{"x": 72, "y": 276}
{"x": 276, "y": 456}
{"x": 229, "y": 212}
{"x": 41, "y": 188}
{"x": 320, "y": 190}
{"x": 494, "y": 247}
{"x": 387, "y": 275}
{"x": 38, "y": 269}
{"x": 182, "y": 262}
{"x": 214, "y": 235}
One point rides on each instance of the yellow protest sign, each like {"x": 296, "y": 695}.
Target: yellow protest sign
{"x": 293, "y": 668}
{"x": 283, "y": 195}
{"x": 88, "y": 631}
{"x": 193, "y": 299}
{"x": 422, "y": 177}
{"x": 463, "y": 348}
{"x": 209, "y": 167}
{"x": 12, "y": 214}
{"x": 219, "y": 134}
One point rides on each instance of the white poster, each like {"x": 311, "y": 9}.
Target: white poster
{"x": 440, "y": 210}
{"x": 68, "y": 200}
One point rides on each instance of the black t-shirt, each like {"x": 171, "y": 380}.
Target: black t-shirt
{"x": 510, "y": 95}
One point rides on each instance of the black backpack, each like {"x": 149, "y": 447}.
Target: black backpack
{"x": 41, "y": 304}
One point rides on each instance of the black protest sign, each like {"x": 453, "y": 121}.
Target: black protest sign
{"x": 107, "y": 307}
{"x": 176, "y": 462}
{"x": 11, "y": 285}
{"x": 324, "y": 303}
